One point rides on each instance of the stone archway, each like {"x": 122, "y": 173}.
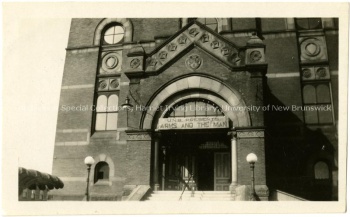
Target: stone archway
{"x": 197, "y": 86}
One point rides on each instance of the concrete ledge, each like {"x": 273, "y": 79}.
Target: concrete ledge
{"x": 138, "y": 192}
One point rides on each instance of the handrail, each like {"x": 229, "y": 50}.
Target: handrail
{"x": 186, "y": 185}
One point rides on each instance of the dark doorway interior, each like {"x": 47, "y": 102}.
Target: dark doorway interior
{"x": 206, "y": 171}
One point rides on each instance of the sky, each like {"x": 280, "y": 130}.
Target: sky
{"x": 36, "y": 54}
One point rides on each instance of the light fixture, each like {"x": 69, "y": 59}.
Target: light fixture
{"x": 252, "y": 159}
{"x": 127, "y": 106}
{"x": 88, "y": 162}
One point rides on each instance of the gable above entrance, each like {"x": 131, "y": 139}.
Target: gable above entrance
{"x": 193, "y": 35}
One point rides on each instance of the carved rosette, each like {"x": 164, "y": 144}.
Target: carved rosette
{"x": 255, "y": 56}
{"x": 110, "y": 63}
{"x": 193, "y": 32}
{"x": 182, "y": 40}
{"x": 172, "y": 47}
{"x": 105, "y": 84}
{"x": 315, "y": 73}
{"x": 135, "y": 63}
{"x": 313, "y": 49}
{"x": 251, "y": 134}
{"x": 163, "y": 55}
{"x": 193, "y": 62}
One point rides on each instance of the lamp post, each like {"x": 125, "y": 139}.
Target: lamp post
{"x": 88, "y": 162}
{"x": 127, "y": 106}
{"x": 252, "y": 159}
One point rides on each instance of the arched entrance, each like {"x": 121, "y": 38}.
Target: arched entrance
{"x": 195, "y": 146}
{"x": 192, "y": 144}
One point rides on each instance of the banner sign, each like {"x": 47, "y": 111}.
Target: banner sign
{"x": 192, "y": 123}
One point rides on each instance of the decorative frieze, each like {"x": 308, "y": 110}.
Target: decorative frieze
{"x": 251, "y": 134}
{"x": 105, "y": 84}
{"x": 139, "y": 136}
{"x": 208, "y": 41}
{"x": 315, "y": 73}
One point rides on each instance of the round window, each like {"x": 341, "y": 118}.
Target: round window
{"x": 114, "y": 35}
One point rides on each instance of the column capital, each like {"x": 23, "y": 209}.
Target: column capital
{"x": 232, "y": 134}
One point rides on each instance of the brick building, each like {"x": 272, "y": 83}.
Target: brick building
{"x": 267, "y": 86}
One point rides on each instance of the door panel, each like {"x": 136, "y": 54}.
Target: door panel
{"x": 222, "y": 171}
{"x": 181, "y": 172}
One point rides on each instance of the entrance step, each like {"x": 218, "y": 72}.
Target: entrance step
{"x": 188, "y": 196}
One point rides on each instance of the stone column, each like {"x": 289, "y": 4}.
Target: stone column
{"x": 233, "y": 161}
{"x": 156, "y": 162}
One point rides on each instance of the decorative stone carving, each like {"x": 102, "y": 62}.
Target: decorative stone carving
{"x": 153, "y": 62}
{"x": 250, "y": 134}
{"x": 225, "y": 51}
{"x": 182, "y": 40}
{"x": 193, "y": 61}
{"x": 193, "y": 32}
{"x": 307, "y": 73}
{"x": 136, "y": 137}
{"x": 313, "y": 48}
{"x": 110, "y": 63}
{"x": 163, "y": 55}
{"x": 322, "y": 72}
{"x": 215, "y": 45}
{"x": 113, "y": 84}
{"x": 315, "y": 72}
{"x": 102, "y": 84}
{"x": 135, "y": 63}
{"x": 172, "y": 47}
{"x": 205, "y": 38}
{"x": 255, "y": 56}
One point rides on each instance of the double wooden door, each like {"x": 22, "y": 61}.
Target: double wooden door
{"x": 193, "y": 170}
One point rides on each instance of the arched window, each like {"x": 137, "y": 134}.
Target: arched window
{"x": 113, "y": 34}
{"x": 195, "y": 108}
{"x": 308, "y": 23}
{"x": 106, "y": 112}
{"x": 101, "y": 171}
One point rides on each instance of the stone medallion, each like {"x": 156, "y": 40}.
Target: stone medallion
{"x": 193, "y": 62}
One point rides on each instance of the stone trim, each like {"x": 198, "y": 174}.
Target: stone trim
{"x": 74, "y": 143}
{"x": 82, "y": 50}
{"x": 283, "y": 75}
{"x": 251, "y": 134}
{"x": 139, "y": 137}
{"x": 81, "y": 86}
{"x": 230, "y": 96}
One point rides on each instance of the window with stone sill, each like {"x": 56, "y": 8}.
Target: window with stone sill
{"x": 317, "y": 103}
{"x": 101, "y": 172}
{"x": 113, "y": 34}
{"x": 308, "y": 23}
{"x": 106, "y": 111}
